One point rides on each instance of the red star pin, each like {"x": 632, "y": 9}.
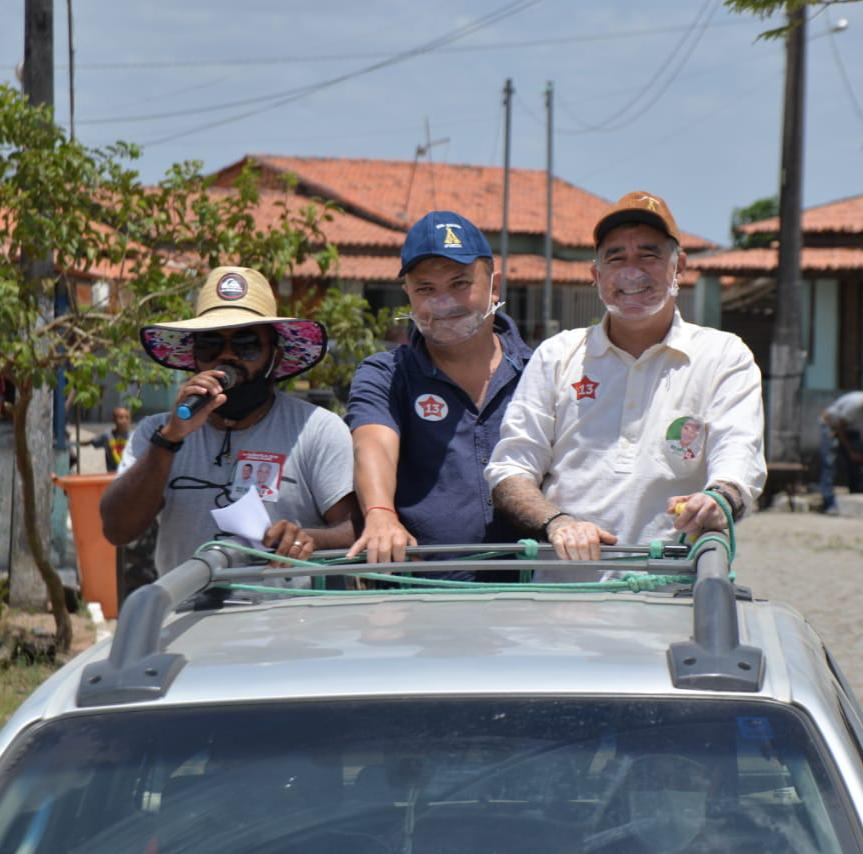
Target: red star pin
{"x": 433, "y": 407}
{"x": 585, "y": 387}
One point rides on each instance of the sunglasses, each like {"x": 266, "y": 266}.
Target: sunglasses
{"x": 245, "y": 344}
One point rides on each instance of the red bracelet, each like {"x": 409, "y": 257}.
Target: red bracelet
{"x": 388, "y": 509}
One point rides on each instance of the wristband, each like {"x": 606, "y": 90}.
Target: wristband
{"x": 161, "y": 441}
{"x": 550, "y": 519}
{"x": 388, "y": 509}
{"x": 735, "y": 504}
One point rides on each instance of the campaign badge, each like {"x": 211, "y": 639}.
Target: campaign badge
{"x": 431, "y": 407}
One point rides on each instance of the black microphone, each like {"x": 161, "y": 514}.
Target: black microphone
{"x": 194, "y": 402}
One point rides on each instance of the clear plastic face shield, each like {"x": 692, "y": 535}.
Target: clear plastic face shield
{"x": 444, "y": 320}
{"x": 631, "y": 292}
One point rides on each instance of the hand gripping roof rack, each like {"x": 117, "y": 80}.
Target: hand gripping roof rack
{"x": 714, "y": 659}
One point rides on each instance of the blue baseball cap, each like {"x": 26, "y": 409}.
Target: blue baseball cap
{"x": 447, "y": 235}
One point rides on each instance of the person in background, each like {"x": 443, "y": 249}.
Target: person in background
{"x": 114, "y": 440}
{"x": 841, "y": 429}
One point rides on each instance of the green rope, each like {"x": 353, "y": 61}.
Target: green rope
{"x": 731, "y": 545}
{"x": 632, "y": 582}
{"x": 530, "y": 552}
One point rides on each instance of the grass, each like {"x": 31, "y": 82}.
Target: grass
{"x": 22, "y": 675}
{"x": 18, "y": 681}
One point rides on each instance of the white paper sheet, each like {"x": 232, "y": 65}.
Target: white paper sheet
{"x": 245, "y": 518}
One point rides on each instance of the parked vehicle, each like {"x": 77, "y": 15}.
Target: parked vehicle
{"x": 662, "y": 711}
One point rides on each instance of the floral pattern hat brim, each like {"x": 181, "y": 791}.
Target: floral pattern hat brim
{"x": 303, "y": 344}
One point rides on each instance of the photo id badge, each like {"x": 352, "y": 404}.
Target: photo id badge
{"x": 259, "y": 470}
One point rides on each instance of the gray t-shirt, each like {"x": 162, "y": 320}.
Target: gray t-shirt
{"x": 298, "y": 457}
{"x": 847, "y": 408}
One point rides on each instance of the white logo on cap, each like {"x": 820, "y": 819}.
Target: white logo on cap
{"x": 430, "y": 407}
{"x": 450, "y": 238}
{"x": 232, "y": 286}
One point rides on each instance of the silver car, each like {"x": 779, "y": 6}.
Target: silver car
{"x": 647, "y": 713}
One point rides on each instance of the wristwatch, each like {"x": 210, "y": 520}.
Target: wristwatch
{"x": 161, "y": 442}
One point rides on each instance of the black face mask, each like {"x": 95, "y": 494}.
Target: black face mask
{"x": 245, "y": 398}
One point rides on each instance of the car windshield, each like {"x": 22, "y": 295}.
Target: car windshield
{"x": 449, "y": 776}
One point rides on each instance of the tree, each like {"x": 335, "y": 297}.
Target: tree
{"x": 354, "y": 332}
{"x": 87, "y": 211}
{"x": 767, "y": 8}
{"x": 759, "y": 210}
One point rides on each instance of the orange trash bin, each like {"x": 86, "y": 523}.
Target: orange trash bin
{"x": 97, "y": 558}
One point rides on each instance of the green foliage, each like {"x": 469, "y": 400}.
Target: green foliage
{"x": 767, "y": 8}
{"x": 354, "y": 332}
{"x": 760, "y": 209}
{"x": 71, "y": 214}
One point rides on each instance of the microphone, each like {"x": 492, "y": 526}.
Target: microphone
{"x": 194, "y": 402}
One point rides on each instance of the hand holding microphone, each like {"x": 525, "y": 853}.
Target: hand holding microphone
{"x": 193, "y": 403}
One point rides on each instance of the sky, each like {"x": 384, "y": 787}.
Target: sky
{"x": 677, "y": 97}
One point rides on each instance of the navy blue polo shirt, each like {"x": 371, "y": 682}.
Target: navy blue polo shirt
{"x": 446, "y": 442}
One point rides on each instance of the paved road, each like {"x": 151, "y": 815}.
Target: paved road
{"x": 815, "y": 564}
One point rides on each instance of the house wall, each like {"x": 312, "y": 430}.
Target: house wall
{"x": 820, "y": 319}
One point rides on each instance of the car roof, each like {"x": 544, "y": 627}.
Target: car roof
{"x": 527, "y": 642}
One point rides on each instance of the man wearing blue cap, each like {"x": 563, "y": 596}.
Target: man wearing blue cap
{"x": 426, "y": 416}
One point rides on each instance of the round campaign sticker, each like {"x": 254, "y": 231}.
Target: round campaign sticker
{"x": 685, "y": 436}
{"x": 430, "y": 407}
{"x": 232, "y": 286}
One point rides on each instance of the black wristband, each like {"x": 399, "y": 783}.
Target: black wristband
{"x": 161, "y": 442}
{"x": 735, "y": 504}
{"x": 547, "y": 522}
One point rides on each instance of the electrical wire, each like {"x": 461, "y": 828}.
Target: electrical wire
{"x": 691, "y": 35}
{"x": 276, "y": 99}
{"x": 344, "y": 57}
{"x": 843, "y": 73}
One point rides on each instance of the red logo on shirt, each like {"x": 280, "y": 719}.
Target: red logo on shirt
{"x": 585, "y": 387}
{"x": 431, "y": 408}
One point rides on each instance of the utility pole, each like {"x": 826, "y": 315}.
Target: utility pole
{"x": 508, "y": 92}
{"x": 71, "y": 49}
{"x": 26, "y": 588}
{"x": 786, "y": 353}
{"x": 549, "y": 327}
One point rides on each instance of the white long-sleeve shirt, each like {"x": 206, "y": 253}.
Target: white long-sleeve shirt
{"x": 609, "y": 438}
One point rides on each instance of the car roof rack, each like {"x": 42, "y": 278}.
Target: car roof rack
{"x": 135, "y": 669}
{"x": 714, "y": 659}
{"x": 138, "y": 670}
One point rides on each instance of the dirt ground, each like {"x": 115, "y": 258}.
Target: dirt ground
{"x": 814, "y": 563}
{"x": 83, "y": 629}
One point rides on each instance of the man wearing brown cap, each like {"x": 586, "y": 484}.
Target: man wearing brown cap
{"x": 616, "y": 430}
{"x": 229, "y": 418}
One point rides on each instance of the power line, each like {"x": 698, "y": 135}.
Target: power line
{"x": 607, "y": 124}
{"x": 843, "y": 73}
{"x": 319, "y": 58}
{"x": 276, "y": 99}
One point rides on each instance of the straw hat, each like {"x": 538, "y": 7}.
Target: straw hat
{"x": 233, "y": 297}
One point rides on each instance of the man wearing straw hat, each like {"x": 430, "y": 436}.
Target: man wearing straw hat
{"x": 180, "y": 468}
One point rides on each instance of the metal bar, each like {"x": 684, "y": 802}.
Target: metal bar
{"x": 669, "y": 550}
{"x": 435, "y": 567}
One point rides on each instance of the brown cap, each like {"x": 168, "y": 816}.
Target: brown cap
{"x": 637, "y": 207}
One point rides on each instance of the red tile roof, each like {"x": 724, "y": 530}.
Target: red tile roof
{"x": 844, "y": 217}
{"x": 521, "y": 270}
{"x": 397, "y": 193}
{"x": 341, "y": 228}
{"x": 759, "y": 262}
